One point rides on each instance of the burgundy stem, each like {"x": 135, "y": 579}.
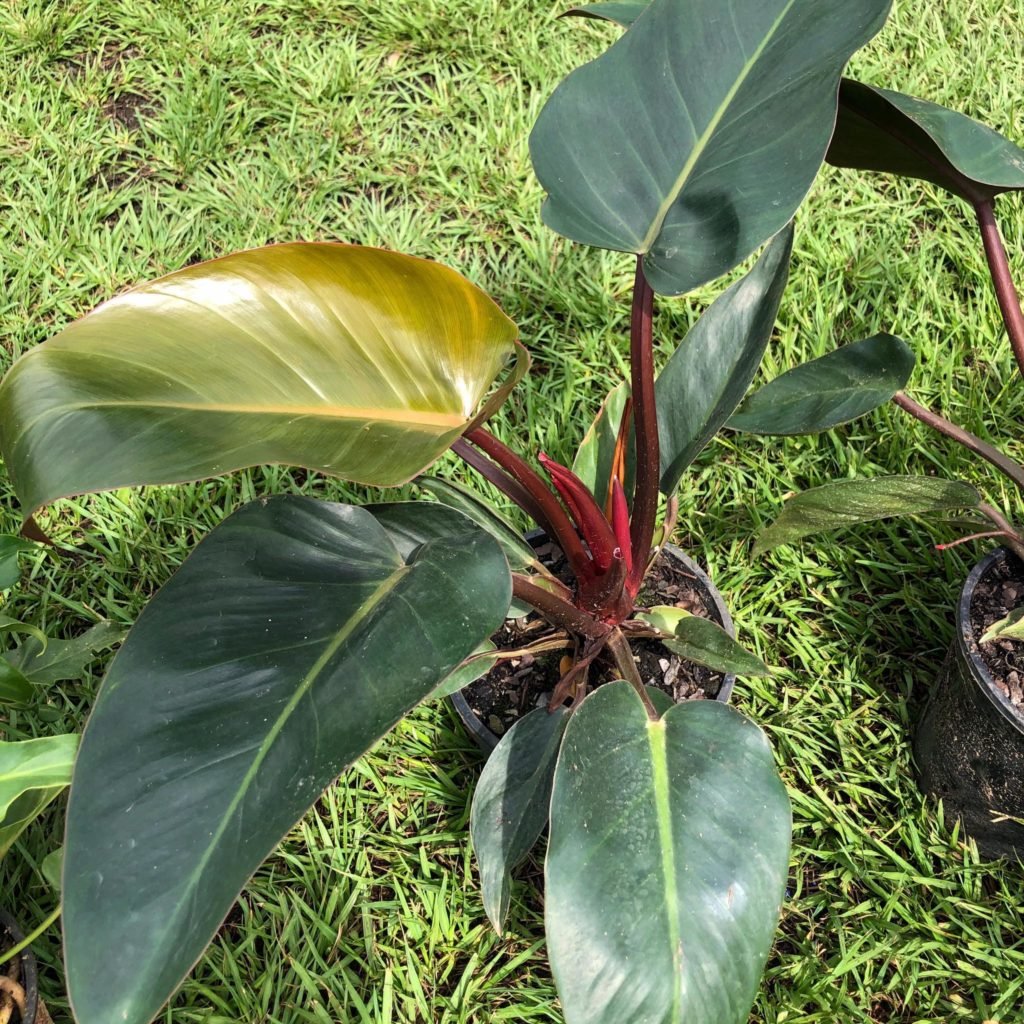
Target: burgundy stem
{"x": 999, "y": 267}
{"x": 512, "y": 490}
{"x": 555, "y": 610}
{"x": 645, "y": 417}
{"x": 992, "y": 455}
{"x": 559, "y": 525}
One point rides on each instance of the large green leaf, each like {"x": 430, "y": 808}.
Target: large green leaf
{"x": 708, "y": 375}
{"x": 291, "y": 640}
{"x": 835, "y": 388}
{"x": 848, "y": 502}
{"x": 695, "y": 137}
{"x": 510, "y": 805}
{"x": 667, "y": 859}
{"x": 32, "y": 773}
{"x": 881, "y": 130}
{"x": 356, "y": 361}
{"x": 703, "y": 641}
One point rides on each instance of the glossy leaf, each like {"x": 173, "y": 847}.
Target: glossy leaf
{"x": 1009, "y": 628}
{"x": 622, "y": 12}
{"x": 358, "y": 362}
{"x": 695, "y": 137}
{"x": 517, "y": 551}
{"x": 65, "y": 659}
{"x": 596, "y": 454}
{"x": 708, "y": 375}
{"x": 836, "y": 388}
{"x": 289, "y": 642}
{"x": 882, "y": 130}
{"x": 848, "y": 502}
{"x": 10, "y": 548}
{"x": 703, "y": 641}
{"x": 510, "y": 805}
{"x": 667, "y": 858}
{"x": 32, "y": 773}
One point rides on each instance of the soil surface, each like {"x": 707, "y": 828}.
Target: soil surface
{"x": 994, "y": 598}
{"x": 516, "y": 686}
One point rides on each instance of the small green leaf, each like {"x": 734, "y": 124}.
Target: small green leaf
{"x": 53, "y": 867}
{"x": 14, "y": 687}
{"x": 65, "y": 659}
{"x": 836, "y": 388}
{"x": 476, "y": 665}
{"x": 1010, "y": 628}
{"x": 10, "y": 546}
{"x": 848, "y": 502}
{"x": 510, "y": 805}
{"x": 703, "y": 641}
{"x": 667, "y": 860}
{"x": 32, "y": 773}
{"x": 517, "y": 551}
{"x": 708, "y": 375}
{"x": 596, "y": 454}
{"x": 882, "y": 130}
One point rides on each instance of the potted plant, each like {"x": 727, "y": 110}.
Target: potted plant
{"x": 300, "y": 631}
{"x": 970, "y": 741}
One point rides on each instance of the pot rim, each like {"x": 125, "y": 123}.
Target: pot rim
{"x": 488, "y": 740}
{"x": 964, "y": 635}
{"x": 30, "y": 981}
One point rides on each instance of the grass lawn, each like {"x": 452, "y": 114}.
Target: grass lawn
{"x": 137, "y": 136}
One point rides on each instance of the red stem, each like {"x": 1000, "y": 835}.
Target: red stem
{"x": 555, "y": 610}
{"x": 645, "y": 416}
{"x": 999, "y": 267}
{"x": 559, "y": 525}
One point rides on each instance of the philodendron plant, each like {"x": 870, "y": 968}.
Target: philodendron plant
{"x": 300, "y": 631}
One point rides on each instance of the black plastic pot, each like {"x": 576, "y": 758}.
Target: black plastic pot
{"x": 28, "y": 976}
{"x": 488, "y": 740}
{"x": 970, "y": 740}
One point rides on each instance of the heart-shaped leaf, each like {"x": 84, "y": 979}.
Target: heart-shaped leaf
{"x": 667, "y": 858}
{"x": 291, "y": 640}
{"x": 32, "y": 773}
{"x": 358, "y": 362}
{"x": 695, "y": 137}
{"x": 836, "y": 388}
{"x": 703, "y": 641}
{"x": 882, "y": 130}
{"x": 708, "y": 375}
{"x": 848, "y": 502}
{"x": 510, "y": 805}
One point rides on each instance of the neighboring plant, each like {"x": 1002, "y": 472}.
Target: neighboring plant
{"x": 880, "y": 130}
{"x": 300, "y": 631}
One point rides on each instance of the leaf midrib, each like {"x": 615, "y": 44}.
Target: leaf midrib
{"x": 705, "y": 137}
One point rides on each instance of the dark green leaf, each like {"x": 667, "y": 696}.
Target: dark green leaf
{"x": 355, "y": 361}
{"x": 667, "y": 858}
{"x": 622, "y": 12}
{"x": 14, "y": 687}
{"x": 510, "y": 805}
{"x": 848, "y": 502}
{"x": 291, "y": 640}
{"x": 708, "y": 375}
{"x": 881, "y": 130}
{"x": 10, "y": 571}
{"x": 703, "y": 641}
{"x": 837, "y": 388}
{"x": 32, "y": 773}
{"x": 593, "y": 462}
{"x": 65, "y": 659}
{"x": 695, "y": 137}
{"x": 517, "y": 551}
